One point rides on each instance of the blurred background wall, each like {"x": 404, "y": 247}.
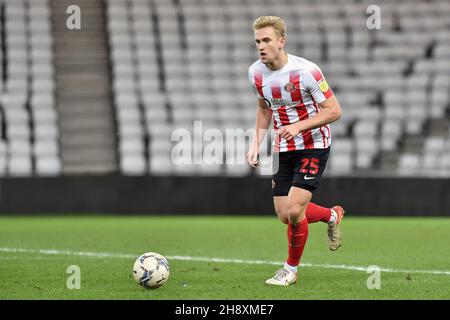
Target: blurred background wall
{"x": 92, "y": 120}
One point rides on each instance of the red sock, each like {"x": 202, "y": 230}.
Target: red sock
{"x": 297, "y": 236}
{"x": 316, "y": 213}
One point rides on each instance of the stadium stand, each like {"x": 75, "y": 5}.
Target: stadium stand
{"x": 178, "y": 61}
{"x": 187, "y": 60}
{"x": 29, "y": 141}
{"x": 87, "y": 121}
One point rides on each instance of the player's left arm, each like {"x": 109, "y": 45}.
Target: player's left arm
{"x": 330, "y": 109}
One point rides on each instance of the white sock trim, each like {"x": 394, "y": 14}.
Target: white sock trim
{"x": 290, "y": 268}
{"x": 333, "y": 217}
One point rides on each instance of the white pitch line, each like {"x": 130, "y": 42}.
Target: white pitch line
{"x": 221, "y": 260}
{"x": 21, "y": 258}
{"x": 69, "y": 253}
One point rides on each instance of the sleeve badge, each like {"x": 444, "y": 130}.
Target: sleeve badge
{"x": 323, "y": 85}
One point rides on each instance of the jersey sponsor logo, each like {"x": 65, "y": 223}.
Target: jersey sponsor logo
{"x": 308, "y": 178}
{"x": 289, "y": 87}
{"x": 278, "y": 102}
{"x": 323, "y": 85}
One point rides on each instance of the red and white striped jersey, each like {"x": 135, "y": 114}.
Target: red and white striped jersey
{"x": 293, "y": 93}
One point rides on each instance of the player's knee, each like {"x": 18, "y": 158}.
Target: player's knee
{"x": 295, "y": 211}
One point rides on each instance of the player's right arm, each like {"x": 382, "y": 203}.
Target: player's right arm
{"x": 262, "y": 123}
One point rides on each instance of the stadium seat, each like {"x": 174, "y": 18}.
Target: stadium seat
{"x": 408, "y": 163}
{"x": 132, "y": 164}
{"x": 19, "y": 165}
{"x": 48, "y": 166}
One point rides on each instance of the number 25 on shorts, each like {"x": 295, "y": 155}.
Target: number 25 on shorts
{"x": 309, "y": 165}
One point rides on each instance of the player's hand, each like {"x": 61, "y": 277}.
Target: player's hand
{"x": 289, "y": 132}
{"x": 252, "y": 157}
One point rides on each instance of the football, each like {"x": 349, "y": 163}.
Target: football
{"x": 151, "y": 270}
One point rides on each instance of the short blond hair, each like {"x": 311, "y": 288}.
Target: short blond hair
{"x": 276, "y": 23}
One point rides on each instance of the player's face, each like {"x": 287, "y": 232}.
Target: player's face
{"x": 268, "y": 44}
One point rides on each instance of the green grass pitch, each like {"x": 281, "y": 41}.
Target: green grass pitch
{"x": 410, "y": 247}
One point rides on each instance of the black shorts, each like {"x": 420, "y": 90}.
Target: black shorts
{"x": 300, "y": 168}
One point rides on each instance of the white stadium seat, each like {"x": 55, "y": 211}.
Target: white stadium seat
{"x": 48, "y": 166}
{"x": 132, "y": 164}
